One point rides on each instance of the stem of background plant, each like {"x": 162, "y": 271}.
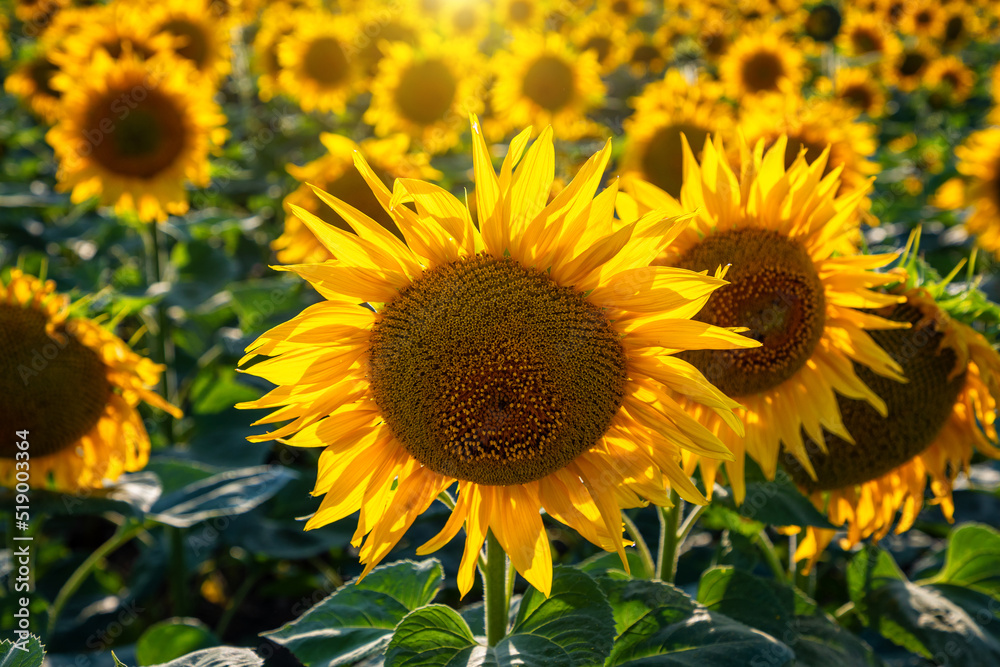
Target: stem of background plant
{"x": 496, "y": 602}
{"x": 767, "y": 548}
{"x": 670, "y": 518}
{"x": 125, "y": 532}
{"x": 237, "y": 600}
{"x": 163, "y": 347}
{"x": 640, "y": 544}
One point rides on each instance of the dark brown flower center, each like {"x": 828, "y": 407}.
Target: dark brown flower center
{"x": 490, "y": 372}
{"x": 549, "y": 83}
{"x": 426, "y": 92}
{"x": 136, "y": 132}
{"x": 823, "y": 23}
{"x": 917, "y": 409}
{"x": 663, "y": 159}
{"x": 762, "y": 71}
{"x": 54, "y": 388}
{"x": 325, "y": 62}
{"x": 194, "y": 41}
{"x": 775, "y": 291}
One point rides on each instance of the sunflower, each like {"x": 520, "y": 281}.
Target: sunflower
{"x": 979, "y": 187}
{"x": 795, "y": 281}
{"x": 74, "y": 387}
{"x": 949, "y": 81}
{"x": 135, "y": 132}
{"x": 31, "y": 81}
{"x": 666, "y": 110}
{"x": 116, "y": 29}
{"x": 198, "y": 36}
{"x": 539, "y": 381}
{"x": 545, "y": 81}
{"x": 761, "y": 63}
{"x": 37, "y": 13}
{"x": 823, "y": 22}
{"x": 961, "y": 23}
{"x": 465, "y": 20}
{"x": 605, "y": 36}
{"x": 715, "y": 33}
{"x": 425, "y": 92}
{"x": 866, "y": 34}
{"x": 277, "y": 22}
{"x": 383, "y": 25}
{"x": 906, "y": 70}
{"x": 317, "y": 67}
{"x": 814, "y": 126}
{"x": 859, "y": 89}
{"x": 515, "y": 15}
{"x": 924, "y": 19}
{"x": 934, "y": 423}
{"x": 335, "y": 173}
{"x": 648, "y": 54}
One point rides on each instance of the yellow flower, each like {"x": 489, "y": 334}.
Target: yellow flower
{"x": 544, "y": 81}
{"x": 648, "y": 54}
{"x": 935, "y": 422}
{"x": 858, "y": 88}
{"x": 135, "y": 133}
{"x": 317, "y": 67}
{"x": 514, "y": 15}
{"x": 823, "y": 23}
{"x": 465, "y": 20}
{"x": 198, "y": 35}
{"x": 665, "y": 110}
{"x": 866, "y": 34}
{"x": 74, "y": 387}
{"x": 116, "y": 29}
{"x": 923, "y": 19}
{"x": 814, "y": 126}
{"x": 37, "y": 13}
{"x": 31, "y": 81}
{"x": 335, "y": 174}
{"x": 277, "y": 22}
{"x": 795, "y": 281}
{"x": 526, "y": 360}
{"x": 605, "y": 36}
{"x": 426, "y": 92}
{"x": 907, "y": 68}
{"x": 949, "y": 81}
{"x": 979, "y": 164}
{"x": 761, "y": 63}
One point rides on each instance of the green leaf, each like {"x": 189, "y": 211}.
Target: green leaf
{"x": 921, "y": 619}
{"x": 223, "y": 656}
{"x": 606, "y": 561}
{"x": 131, "y": 496}
{"x": 776, "y": 502}
{"x": 573, "y": 627}
{"x": 436, "y": 636}
{"x": 771, "y": 607}
{"x": 173, "y": 638}
{"x": 22, "y": 652}
{"x": 659, "y": 625}
{"x": 358, "y": 619}
{"x": 575, "y": 621}
{"x": 971, "y": 561}
{"x": 227, "y": 494}
{"x": 118, "y": 663}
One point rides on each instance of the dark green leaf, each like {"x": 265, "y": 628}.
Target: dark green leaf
{"x": 659, "y": 625}
{"x": 21, "y": 652}
{"x": 223, "y": 656}
{"x": 358, "y": 619}
{"x": 605, "y": 561}
{"x": 132, "y": 496}
{"x": 819, "y": 642}
{"x": 434, "y": 636}
{"x": 972, "y": 560}
{"x": 921, "y": 619}
{"x": 226, "y": 494}
{"x": 173, "y": 638}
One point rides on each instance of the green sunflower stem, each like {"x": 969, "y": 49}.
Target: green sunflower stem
{"x": 766, "y": 547}
{"x": 670, "y": 518}
{"x": 125, "y": 532}
{"x": 163, "y": 342}
{"x": 497, "y": 602}
{"x": 640, "y": 544}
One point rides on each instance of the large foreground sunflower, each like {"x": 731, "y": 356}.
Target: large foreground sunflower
{"x": 935, "y": 421}
{"x": 74, "y": 387}
{"x": 796, "y": 284}
{"x": 135, "y": 133}
{"x": 528, "y": 360}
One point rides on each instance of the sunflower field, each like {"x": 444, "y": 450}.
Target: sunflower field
{"x": 557, "y": 333}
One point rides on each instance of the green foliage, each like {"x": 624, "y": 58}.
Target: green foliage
{"x": 358, "y": 619}
{"x": 173, "y": 638}
{"x": 21, "y": 652}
